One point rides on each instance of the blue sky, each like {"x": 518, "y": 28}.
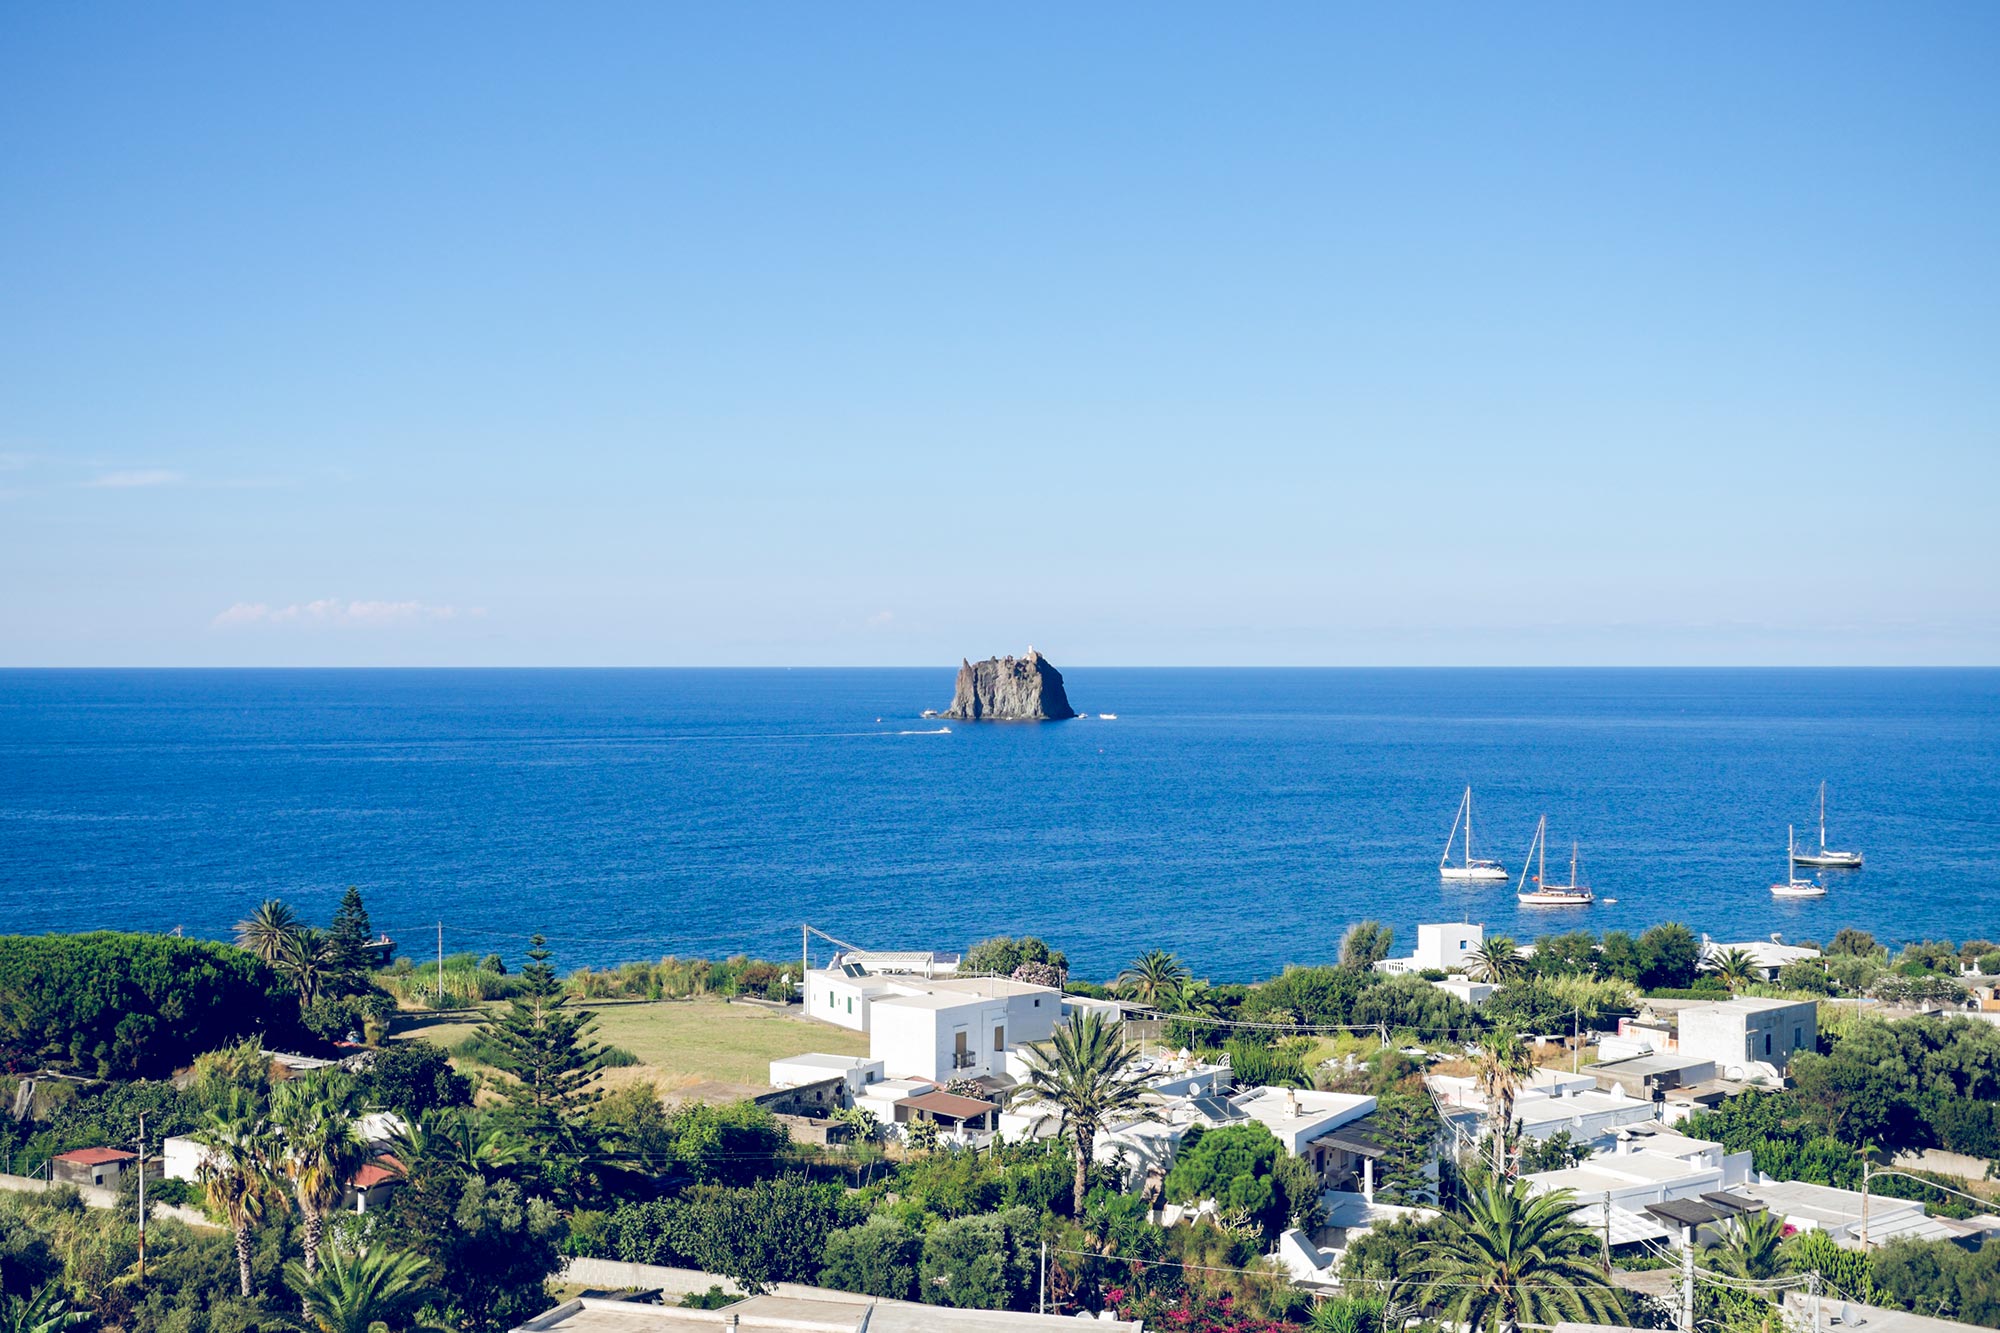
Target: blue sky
{"x": 860, "y": 334}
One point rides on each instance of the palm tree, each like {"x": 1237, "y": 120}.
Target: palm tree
{"x": 1753, "y": 1247}
{"x": 465, "y": 1138}
{"x": 1084, "y": 1071}
{"x": 1194, "y": 998}
{"x": 1498, "y": 960}
{"x": 265, "y": 930}
{"x": 1734, "y": 967}
{"x": 1514, "y": 1258}
{"x": 309, "y": 959}
{"x": 41, "y": 1312}
{"x": 235, "y": 1171}
{"x": 1154, "y": 978}
{"x": 1504, "y": 1064}
{"x": 319, "y": 1149}
{"x": 357, "y": 1293}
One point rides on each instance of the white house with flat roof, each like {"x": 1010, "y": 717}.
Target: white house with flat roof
{"x": 963, "y": 1027}
{"x": 1748, "y": 1038}
{"x": 1552, "y": 1102}
{"x": 1647, "y": 1166}
{"x": 856, "y": 1072}
{"x": 1838, "y": 1212}
{"x": 1440, "y": 948}
{"x": 1768, "y": 955}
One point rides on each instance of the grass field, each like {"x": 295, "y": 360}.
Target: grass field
{"x": 682, "y": 1042}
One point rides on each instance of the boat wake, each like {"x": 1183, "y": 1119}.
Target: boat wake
{"x": 941, "y": 731}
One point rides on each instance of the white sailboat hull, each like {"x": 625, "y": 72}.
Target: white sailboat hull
{"x": 1490, "y": 873}
{"x": 1797, "y": 890}
{"x": 1556, "y": 898}
{"x": 1828, "y": 860}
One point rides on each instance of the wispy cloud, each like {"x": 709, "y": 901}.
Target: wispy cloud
{"x": 135, "y": 478}
{"x": 339, "y": 613}
{"x": 881, "y": 618}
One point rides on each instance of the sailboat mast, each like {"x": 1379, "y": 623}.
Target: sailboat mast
{"x": 1468, "y": 828}
{"x": 1822, "y": 816}
{"x": 1572, "y": 864}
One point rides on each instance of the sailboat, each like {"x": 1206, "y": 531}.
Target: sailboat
{"x": 1544, "y": 893}
{"x": 1471, "y": 869}
{"x": 1831, "y": 860}
{"x": 1794, "y": 887}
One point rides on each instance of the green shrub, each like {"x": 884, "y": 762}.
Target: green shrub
{"x": 877, "y": 1258}
{"x": 124, "y": 1005}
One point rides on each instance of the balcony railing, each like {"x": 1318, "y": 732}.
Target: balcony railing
{"x": 963, "y": 1060}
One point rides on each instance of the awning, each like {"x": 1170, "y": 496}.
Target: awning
{"x": 1357, "y": 1136}
{"x": 949, "y": 1105}
{"x": 1696, "y": 1212}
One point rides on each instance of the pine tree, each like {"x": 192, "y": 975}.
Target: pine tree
{"x": 351, "y": 933}
{"x": 545, "y": 1047}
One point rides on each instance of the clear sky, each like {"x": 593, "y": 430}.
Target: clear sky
{"x": 851, "y": 334}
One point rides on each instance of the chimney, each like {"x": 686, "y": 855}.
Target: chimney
{"x": 1291, "y": 1104}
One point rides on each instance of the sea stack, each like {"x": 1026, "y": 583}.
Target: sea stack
{"x": 1010, "y": 689}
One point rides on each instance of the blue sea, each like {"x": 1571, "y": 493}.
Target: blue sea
{"x": 1242, "y": 818}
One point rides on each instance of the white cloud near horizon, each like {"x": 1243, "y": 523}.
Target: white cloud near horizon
{"x": 339, "y": 613}
{"x": 134, "y": 478}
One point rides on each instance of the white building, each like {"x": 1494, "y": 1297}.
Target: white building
{"x": 1441, "y": 948}
{"x": 1552, "y": 1102}
{"x": 880, "y": 1098}
{"x": 1769, "y": 955}
{"x": 934, "y": 1027}
{"x": 962, "y": 1028}
{"x": 792, "y": 1308}
{"x": 855, "y": 1071}
{"x": 1748, "y": 1038}
{"x": 1466, "y": 989}
{"x": 1837, "y": 1212}
{"x": 184, "y": 1157}
{"x": 1646, "y": 1168}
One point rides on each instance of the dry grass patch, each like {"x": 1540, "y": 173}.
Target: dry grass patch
{"x": 683, "y": 1042}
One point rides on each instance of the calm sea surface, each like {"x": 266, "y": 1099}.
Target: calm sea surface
{"x": 1241, "y": 818}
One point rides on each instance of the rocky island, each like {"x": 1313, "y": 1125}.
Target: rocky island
{"x": 1010, "y": 689}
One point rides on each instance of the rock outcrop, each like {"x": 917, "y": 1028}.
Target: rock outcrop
{"x": 1010, "y": 689}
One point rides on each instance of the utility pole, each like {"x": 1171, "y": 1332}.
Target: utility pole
{"x": 142, "y": 1198}
{"x": 440, "y": 964}
{"x": 1812, "y": 1285}
{"x": 1607, "y": 1231}
{"x": 1042, "y": 1284}
{"x": 1866, "y": 1168}
{"x": 805, "y": 961}
{"x": 1687, "y": 1280}
{"x": 1576, "y": 1044}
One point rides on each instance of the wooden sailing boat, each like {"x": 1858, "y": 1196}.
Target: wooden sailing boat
{"x": 1472, "y": 869}
{"x": 1826, "y": 857}
{"x": 1544, "y": 893}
